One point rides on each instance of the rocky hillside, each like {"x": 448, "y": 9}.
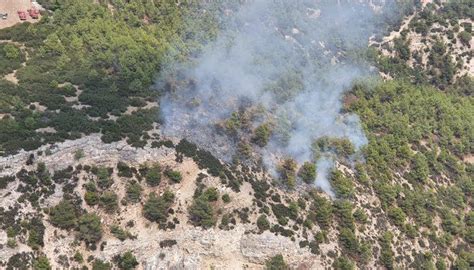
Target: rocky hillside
{"x": 87, "y": 181}
{"x": 436, "y": 41}
{"x": 206, "y": 223}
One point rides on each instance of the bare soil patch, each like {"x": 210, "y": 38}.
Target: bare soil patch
{"x": 12, "y": 7}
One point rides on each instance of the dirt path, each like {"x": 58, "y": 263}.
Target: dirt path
{"x": 12, "y": 7}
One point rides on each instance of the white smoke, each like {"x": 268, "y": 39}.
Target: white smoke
{"x": 324, "y": 165}
{"x": 265, "y": 49}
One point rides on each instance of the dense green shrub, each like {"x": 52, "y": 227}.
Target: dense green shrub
{"x": 464, "y": 260}
{"x": 101, "y": 265}
{"x": 287, "y": 172}
{"x": 321, "y": 212}
{"x": 156, "y": 207}
{"x": 186, "y": 148}
{"x": 134, "y": 191}
{"x": 204, "y": 159}
{"x": 20, "y": 260}
{"x": 64, "y": 215}
{"x": 469, "y": 227}
{"x": 441, "y": 265}
{"x": 210, "y": 194}
{"x": 342, "y": 185}
{"x": 282, "y": 212}
{"x": 419, "y": 170}
{"x": 201, "y": 212}
{"x": 260, "y": 188}
{"x": 175, "y": 176}
{"x": 127, "y": 261}
{"x": 465, "y": 37}
{"x": 36, "y": 230}
{"x": 343, "y": 263}
{"x": 342, "y": 147}
{"x": 348, "y": 240}
{"x": 89, "y": 228}
{"x": 307, "y": 172}
{"x": 453, "y": 197}
{"x": 78, "y": 154}
{"x": 276, "y": 263}
{"x": 226, "y": 198}
{"x": 41, "y": 263}
{"x": 261, "y": 135}
{"x": 5, "y": 180}
{"x": 360, "y": 216}
{"x": 153, "y": 175}
{"x": 450, "y": 222}
{"x": 104, "y": 180}
{"x": 120, "y": 233}
{"x": 397, "y": 215}
{"x": 91, "y": 198}
{"x": 423, "y": 261}
{"x": 386, "y": 252}
{"x": 402, "y": 48}
{"x": 11, "y": 243}
{"x": 11, "y": 58}
{"x": 109, "y": 201}
{"x": 78, "y": 257}
{"x": 167, "y": 243}
{"x": 343, "y": 212}
{"x": 124, "y": 170}
{"x": 263, "y": 223}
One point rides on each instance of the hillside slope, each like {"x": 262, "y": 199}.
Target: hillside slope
{"x": 87, "y": 180}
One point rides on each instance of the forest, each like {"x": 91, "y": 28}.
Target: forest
{"x": 111, "y": 59}
{"x": 81, "y": 69}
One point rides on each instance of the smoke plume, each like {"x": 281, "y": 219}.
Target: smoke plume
{"x": 287, "y": 62}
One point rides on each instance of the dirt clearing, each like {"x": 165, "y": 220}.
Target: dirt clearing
{"x": 12, "y": 7}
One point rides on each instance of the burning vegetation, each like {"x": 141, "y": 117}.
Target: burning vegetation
{"x": 150, "y": 134}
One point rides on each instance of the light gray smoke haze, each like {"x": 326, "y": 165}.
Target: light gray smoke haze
{"x": 288, "y": 57}
{"x": 324, "y": 166}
